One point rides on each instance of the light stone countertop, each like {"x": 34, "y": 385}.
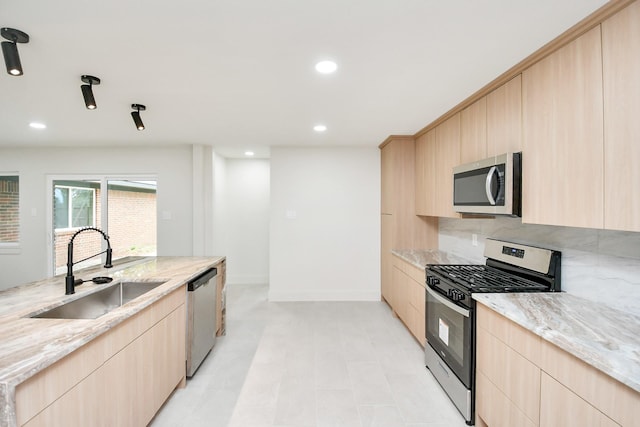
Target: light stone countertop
{"x": 601, "y": 336}
{"x": 28, "y": 346}
{"x": 421, "y": 257}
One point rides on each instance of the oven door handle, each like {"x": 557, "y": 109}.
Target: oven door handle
{"x": 448, "y": 303}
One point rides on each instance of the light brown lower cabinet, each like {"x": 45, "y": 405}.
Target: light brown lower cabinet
{"x": 496, "y": 408}
{"x": 495, "y": 363}
{"x": 523, "y": 380}
{"x": 563, "y": 408}
{"x": 408, "y": 297}
{"x": 120, "y": 379}
{"x": 221, "y": 295}
{"x": 386, "y": 259}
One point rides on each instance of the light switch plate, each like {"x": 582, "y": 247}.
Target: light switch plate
{"x": 291, "y": 214}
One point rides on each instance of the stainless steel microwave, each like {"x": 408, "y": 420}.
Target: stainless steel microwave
{"x": 490, "y": 186}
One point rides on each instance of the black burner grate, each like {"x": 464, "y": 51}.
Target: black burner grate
{"x": 481, "y": 278}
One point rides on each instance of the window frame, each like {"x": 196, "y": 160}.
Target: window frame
{"x": 70, "y": 207}
{"x": 10, "y": 248}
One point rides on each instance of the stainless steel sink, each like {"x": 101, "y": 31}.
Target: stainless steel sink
{"x": 94, "y": 305}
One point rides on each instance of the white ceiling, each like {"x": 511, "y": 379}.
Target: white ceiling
{"x": 239, "y": 74}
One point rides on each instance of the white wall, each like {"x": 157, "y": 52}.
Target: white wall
{"x": 243, "y": 233}
{"x": 172, "y": 166}
{"x": 325, "y": 226}
{"x": 600, "y": 265}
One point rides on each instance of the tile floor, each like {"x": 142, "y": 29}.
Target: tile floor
{"x": 313, "y": 364}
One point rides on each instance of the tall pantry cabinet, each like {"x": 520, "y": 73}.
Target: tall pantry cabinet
{"x": 400, "y": 227}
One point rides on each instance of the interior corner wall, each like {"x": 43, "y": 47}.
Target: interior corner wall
{"x": 171, "y": 165}
{"x": 241, "y": 218}
{"x": 325, "y": 224}
{"x": 219, "y": 245}
{"x": 203, "y": 193}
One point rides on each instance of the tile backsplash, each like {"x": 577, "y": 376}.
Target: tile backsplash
{"x": 599, "y": 265}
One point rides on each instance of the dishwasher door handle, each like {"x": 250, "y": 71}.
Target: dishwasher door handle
{"x": 202, "y": 279}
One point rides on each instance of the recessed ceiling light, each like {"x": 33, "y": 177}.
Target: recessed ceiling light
{"x": 37, "y": 125}
{"x": 249, "y": 153}
{"x": 326, "y": 67}
{"x": 319, "y": 128}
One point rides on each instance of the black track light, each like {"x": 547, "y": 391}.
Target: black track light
{"x": 136, "y": 115}
{"x": 10, "y": 49}
{"x": 87, "y": 91}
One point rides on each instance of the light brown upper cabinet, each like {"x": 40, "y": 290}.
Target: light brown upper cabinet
{"x": 437, "y": 153}
{"x": 621, "y": 73}
{"x": 562, "y": 159}
{"x": 426, "y": 174}
{"x": 397, "y": 175}
{"x": 473, "y": 132}
{"x": 493, "y": 124}
{"x": 447, "y": 155}
{"x": 504, "y": 118}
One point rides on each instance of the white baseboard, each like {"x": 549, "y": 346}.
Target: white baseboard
{"x": 246, "y": 280}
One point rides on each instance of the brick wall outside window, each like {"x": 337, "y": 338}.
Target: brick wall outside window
{"x": 132, "y": 223}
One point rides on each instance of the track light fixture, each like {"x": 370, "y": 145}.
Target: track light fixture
{"x": 87, "y": 91}
{"x": 10, "y": 49}
{"x": 136, "y": 115}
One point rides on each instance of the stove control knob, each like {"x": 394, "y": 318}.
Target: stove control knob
{"x": 457, "y": 295}
{"x": 432, "y": 281}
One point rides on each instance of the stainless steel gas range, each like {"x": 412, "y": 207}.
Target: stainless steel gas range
{"x": 450, "y": 309}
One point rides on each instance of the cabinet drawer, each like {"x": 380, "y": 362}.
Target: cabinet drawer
{"x": 495, "y": 408}
{"x": 613, "y": 398}
{"x": 515, "y": 336}
{"x": 417, "y": 274}
{"x": 498, "y": 362}
{"x": 418, "y": 296}
{"x": 563, "y": 408}
{"x": 41, "y": 390}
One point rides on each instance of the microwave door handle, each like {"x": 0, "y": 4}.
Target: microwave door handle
{"x": 487, "y": 185}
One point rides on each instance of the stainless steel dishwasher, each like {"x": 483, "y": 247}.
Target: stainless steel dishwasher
{"x": 201, "y": 318}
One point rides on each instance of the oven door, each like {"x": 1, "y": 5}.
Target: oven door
{"x": 449, "y": 330}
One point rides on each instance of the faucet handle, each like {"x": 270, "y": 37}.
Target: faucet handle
{"x": 108, "y": 264}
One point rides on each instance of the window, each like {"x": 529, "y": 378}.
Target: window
{"x": 9, "y": 209}
{"x": 73, "y": 207}
{"x": 122, "y": 207}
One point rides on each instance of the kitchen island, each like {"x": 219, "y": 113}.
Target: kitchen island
{"x": 30, "y": 348}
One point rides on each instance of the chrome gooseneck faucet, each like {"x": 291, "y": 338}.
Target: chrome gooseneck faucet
{"x": 69, "y": 280}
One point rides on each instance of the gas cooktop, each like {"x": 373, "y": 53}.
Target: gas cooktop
{"x": 481, "y": 278}
{"x": 510, "y": 267}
